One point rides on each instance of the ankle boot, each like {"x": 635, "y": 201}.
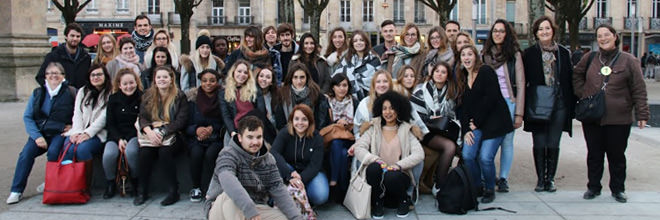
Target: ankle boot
{"x": 110, "y": 189}
{"x": 539, "y": 163}
{"x": 551, "y": 166}
{"x": 142, "y": 195}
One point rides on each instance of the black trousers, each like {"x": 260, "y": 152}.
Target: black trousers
{"x": 148, "y": 157}
{"x": 551, "y": 136}
{"x": 392, "y": 186}
{"x": 610, "y": 140}
{"x": 202, "y": 162}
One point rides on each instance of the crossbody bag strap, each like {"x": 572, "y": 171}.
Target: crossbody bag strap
{"x": 607, "y": 78}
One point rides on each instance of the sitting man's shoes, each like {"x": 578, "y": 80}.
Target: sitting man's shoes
{"x": 489, "y": 196}
{"x": 502, "y": 185}
{"x": 110, "y": 191}
{"x": 403, "y": 209}
{"x": 196, "y": 195}
{"x": 590, "y": 194}
{"x": 171, "y": 198}
{"x": 40, "y": 187}
{"x": 140, "y": 199}
{"x": 14, "y": 197}
{"x": 377, "y": 210}
{"x": 620, "y": 197}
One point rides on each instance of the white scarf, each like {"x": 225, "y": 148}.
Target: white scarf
{"x": 53, "y": 92}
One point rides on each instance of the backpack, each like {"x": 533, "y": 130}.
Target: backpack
{"x": 457, "y": 196}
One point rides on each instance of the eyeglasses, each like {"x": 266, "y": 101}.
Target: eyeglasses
{"x": 411, "y": 35}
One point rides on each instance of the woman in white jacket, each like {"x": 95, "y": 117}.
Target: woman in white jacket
{"x": 88, "y": 128}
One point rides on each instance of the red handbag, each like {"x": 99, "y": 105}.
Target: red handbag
{"x": 66, "y": 184}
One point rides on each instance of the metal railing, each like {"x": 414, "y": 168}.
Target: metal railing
{"x": 244, "y": 20}
{"x": 603, "y": 20}
{"x": 630, "y": 22}
{"x": 654, "y": 23}
{"x": 217, "y": 20}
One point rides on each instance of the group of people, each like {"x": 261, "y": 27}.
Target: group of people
{"x": 276, "y": 117}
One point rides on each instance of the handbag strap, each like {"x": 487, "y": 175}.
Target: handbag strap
{"x": 607, "y": 78}
{"x": 359, "y": 170}
{"x": 66, "y": 149}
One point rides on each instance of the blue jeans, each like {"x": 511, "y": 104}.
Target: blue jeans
{"x": 85, "y": 151}
{"x": 317, "y": 189}
{"x": 26, "y": 160}
{"x": 506, "y": 154}
{"x": 339, "y": 162}
{"x": 484, "y": 151}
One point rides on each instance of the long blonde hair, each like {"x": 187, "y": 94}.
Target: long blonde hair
{"x": 101, "y": 54}
{"x": 248, "y": 89}
{"x": 372, "y": 89}
{"x": 155, "y": 103}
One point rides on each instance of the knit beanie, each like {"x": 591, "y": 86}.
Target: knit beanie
{"x": 201, "y": 40}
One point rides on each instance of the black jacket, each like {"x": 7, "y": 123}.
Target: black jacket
{"x": 197, "y": 119}
{"x": 75, "y": 70}
{"x": 122, "y": 111}
{"x": 534, "y": 76}
{"x": 228, "y": 109}
{"x": 61, "y": 111}
{"x": 484, "y": 104}
{"x": 321, "y": 116}
{"x": 305, "y": 155}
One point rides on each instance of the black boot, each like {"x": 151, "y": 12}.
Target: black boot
{"x": 134, "y": 187}
{"x": 110, "y": 189}
{"x": 142, "y": 195}
{"x": 539, "y": 162}
{"x": 552, "y": 160}
{"x": 172, "y": 197}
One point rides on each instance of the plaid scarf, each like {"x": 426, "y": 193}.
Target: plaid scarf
{"x": 401, "y": 54}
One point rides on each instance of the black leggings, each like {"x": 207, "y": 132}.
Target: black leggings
{"x": 203, "y": 156}
{"x": 610, "y": 140}
{"x": 392, "y": 186}
{"x": 447, "y": 150}
{"x": 148, "y": 157}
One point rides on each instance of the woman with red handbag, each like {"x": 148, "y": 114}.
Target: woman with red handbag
{"x": 163, "y": 114}
{"x": 47, "y": 116}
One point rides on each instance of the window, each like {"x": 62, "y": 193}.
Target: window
{"x": 244, "y": 12}
{"x": 419, "y": 12}
{"x": 601, "y": 8}
{"x": 632, "y": 8}
{"x": 479, "y": 8}
{"x": 218, "y": 12}
{"x": 398, "y": 12}
{"x": 368, "y": 10}
{"x": 453, "y": 15}
{"x": 511, "y": 10}
{"x": 656, "y": 8}
{"x": 91, "y": 6}
{"x": 122, "y": 6}
{"x": 153, "y": 6}
{"x": 345, "y": 11}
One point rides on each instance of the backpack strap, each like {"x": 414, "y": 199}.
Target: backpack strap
{"x": 591, "y": 58}
{"x": 497, "y": 208}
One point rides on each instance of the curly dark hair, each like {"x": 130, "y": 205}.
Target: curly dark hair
{"x": 400, "y": 104}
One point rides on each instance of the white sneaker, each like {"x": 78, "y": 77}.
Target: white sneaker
{"x": 14, "y": 197}
{"x": 434, "y": 190}
{"x": 40, "y": 187}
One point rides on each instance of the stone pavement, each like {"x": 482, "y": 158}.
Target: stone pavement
{"x": 529, "y": 205}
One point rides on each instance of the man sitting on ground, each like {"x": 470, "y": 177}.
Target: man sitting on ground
{"x": 246, "y": 177}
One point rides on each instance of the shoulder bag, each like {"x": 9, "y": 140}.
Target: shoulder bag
{"x": 358, "y": 196}
{"x": 66, "y": 183}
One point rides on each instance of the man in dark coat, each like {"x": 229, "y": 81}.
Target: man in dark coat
{"x": 75, "y": 59}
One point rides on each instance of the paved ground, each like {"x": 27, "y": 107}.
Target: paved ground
{"x": 642, "y": 184}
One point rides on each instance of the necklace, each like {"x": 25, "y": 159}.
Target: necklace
{"x": 606, "y": 70}
{"x": 390, "y": 128}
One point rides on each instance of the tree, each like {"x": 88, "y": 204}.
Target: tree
{"x": 536, "y": 10}
{"x": 70, "y": 9}
{"x": 185, "y": 13}
{"x": 313, "y": 9}
{"x": 442, "y": 7}
{"x": 286, "y": 12}
{"x": 571, "y": 11}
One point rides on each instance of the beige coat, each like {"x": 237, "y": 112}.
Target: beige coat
{"x": 367, "y": 148}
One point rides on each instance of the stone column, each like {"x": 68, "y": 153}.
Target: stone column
{"x": 23, "y": 45}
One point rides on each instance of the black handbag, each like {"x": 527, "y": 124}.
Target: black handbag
{"x": 592, "y": 108}
{"x": 445, "y": 127}
{"x": 541, "y": 101}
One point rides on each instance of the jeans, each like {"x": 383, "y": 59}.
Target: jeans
{"x": 317, "y": 189}
{"x": 485, "y": 166}
{"x": 202, "y": 162}
{"x": 506, "y": 154}
{"x": 339, "y": 162}
{"x": 111, "y": 157}
{"x": 85, "y": 151}
{"x": 26, "y": 160}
